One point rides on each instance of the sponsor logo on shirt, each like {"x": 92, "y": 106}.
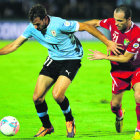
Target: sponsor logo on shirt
{"x": 126, "y": 42}
{"x": 136, "y": 45}
{"x": 53, "y": 33}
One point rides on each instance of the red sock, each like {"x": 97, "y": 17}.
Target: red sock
{"x": 117, "y": 110}
{"x": 138, "y": 115}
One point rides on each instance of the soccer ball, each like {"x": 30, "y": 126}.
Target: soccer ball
{"x": 9, "y": 126}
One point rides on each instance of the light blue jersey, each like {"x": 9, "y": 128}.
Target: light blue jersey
{"x": 58, "y": 38}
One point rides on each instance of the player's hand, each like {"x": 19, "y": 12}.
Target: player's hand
{"x": 96, "y": 55}
{"x": 114, "y": 47}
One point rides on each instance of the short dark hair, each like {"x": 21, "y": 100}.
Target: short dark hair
{"x": 124, "y": 8}
{"x": 37, "y": 10}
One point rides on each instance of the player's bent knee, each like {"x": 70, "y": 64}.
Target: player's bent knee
{"x": 37, "y": 99}
{"x": 58, "y": 97}
{"x": 115, "y": 103}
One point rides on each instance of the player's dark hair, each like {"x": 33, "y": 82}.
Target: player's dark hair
{"x": 124, "y": 8}
{"x": 37, "y": 10}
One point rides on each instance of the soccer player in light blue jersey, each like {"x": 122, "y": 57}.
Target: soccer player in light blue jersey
{"x": 62, "y": 64}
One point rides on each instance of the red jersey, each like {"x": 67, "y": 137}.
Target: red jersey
{"x": 131, "y": 43}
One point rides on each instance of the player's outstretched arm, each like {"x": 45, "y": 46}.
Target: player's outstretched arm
{"x": 94, "y": 22}
{"x": 92, "y": 30}
{"x": 96, "y": 55}
{"x": 12, "y": 46}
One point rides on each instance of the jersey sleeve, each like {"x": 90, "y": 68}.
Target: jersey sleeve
{"x": 106, "y": 23}
{"x": 69, "y": 26}
{"x": 27, "y": 32}
{"x": 134, "y": 46}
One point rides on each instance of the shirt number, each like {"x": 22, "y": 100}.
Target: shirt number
{"x": 48, "y": 61}
{"x": 115, "y": 36}
{"x": 55, "y": 46}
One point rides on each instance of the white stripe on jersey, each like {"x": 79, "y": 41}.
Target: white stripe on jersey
{"x": 114, "y": 80}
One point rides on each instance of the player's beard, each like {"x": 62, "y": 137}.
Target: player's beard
{"x": 42, "y": 27}
{"x": 43, "y": 30}
{"x": 123, "y": 28}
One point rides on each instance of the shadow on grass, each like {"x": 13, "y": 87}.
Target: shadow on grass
{"x": 103, "y": 133}
{"x": 93, "y": 134}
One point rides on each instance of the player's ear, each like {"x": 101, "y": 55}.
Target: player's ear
{"x": 46, "y": 19}
{"x": 129, "y": 18}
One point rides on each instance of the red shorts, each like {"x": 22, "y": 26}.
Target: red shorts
{"x": 124, "y": 80}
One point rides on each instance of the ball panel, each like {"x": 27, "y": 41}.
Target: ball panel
{"x": 7, "y": 130}
{"x": 9, "y": 126}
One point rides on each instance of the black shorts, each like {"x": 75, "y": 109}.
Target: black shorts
{"x": 55, "y": 68}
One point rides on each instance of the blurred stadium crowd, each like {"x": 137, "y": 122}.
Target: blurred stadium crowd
{"x": 70, "y": 9}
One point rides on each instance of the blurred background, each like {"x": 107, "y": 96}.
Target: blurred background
{"x": 16, "y": 11}
{"x": 71, "y": 9}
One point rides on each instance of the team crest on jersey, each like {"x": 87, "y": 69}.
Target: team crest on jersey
{"x": 53, "y": 33}
{"x": 67, "y": 23}
{"x": 136, "y": 45}
{"x": 126, "y": 42}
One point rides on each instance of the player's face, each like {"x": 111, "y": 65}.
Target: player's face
{"x": 120, "y": 21}
{"x": 39, "y": 24}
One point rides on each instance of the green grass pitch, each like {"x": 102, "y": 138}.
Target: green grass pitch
{"x": 89, "y": 96}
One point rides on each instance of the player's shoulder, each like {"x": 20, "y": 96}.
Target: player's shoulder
{"x": 30, "y": 26}
{"x": 135, "y": 30}
{"x": 58, "y": 19}
{"x": 56, "y": 22}
{"x": 61, "y": 24}
{"x": 111, "y": 20}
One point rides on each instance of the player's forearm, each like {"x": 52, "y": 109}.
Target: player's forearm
{"x": 92, "y": 30}
{"x": 99, "y": 35}
{"x": 119, "y": 58}
{"x": 13, "y": 46}
{"x": 94, "y": 22}
{"x": 8, "y": 49}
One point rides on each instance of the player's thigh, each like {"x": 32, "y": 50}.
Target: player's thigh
{"x": 60, "y": 87}
{"x": 42, "y": 86}
{"x": 66, "y": 75}
{"x": 120, "y": 83}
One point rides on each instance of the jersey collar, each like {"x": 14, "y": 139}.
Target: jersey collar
{"x": 130, "y": 27}
{"x": 49, "y": 18}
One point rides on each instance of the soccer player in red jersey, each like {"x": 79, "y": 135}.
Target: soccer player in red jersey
{"x": 125, "y": 71}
